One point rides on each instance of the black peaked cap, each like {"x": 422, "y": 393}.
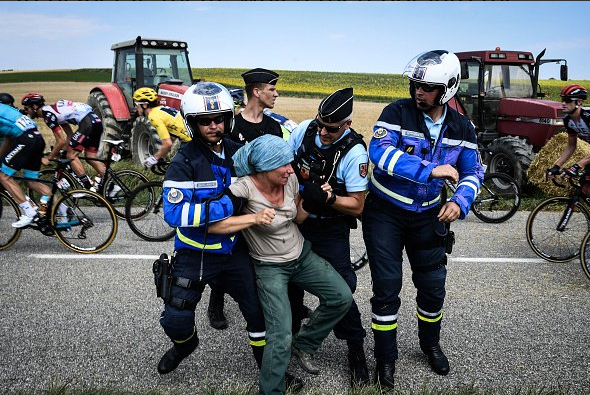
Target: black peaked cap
{"x": 337, "y": 106}
{"x": 260, "y": 76}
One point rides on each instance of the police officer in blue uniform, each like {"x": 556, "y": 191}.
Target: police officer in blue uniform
{"x": 331, "y": 164}
{"x": 194, "y": 196}
{"x": 416, "y": 144}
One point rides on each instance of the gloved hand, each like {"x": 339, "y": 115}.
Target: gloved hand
{"x": 314, "y": 197}
{"x": 573, "y": 171}
{"x": 552, "y": 172}
{"x": 150, "y": 161}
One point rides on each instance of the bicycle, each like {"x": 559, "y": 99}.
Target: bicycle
{"x": 144, "y": 209}
{"x": 115, "y": 186}
{"x": 82, "y": 220}
{"x": 555, "y": 227}
{"x": 497, "y": 201}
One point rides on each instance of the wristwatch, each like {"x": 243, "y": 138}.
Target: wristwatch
{"x": 331, "y": 199}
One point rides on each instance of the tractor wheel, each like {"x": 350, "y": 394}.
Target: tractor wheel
{"x": 112, "y": 129}
{"x": 144, "y": 140}
{"x": 512, "y": 156}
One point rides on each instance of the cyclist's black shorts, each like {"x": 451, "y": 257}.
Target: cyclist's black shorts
{"x": 88, "y": 135}
{"x": 25, "y": 153}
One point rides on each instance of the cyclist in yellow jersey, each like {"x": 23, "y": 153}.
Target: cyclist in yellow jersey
{"x": 166, "y": 120}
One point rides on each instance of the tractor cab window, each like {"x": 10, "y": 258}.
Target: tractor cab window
{"x": 469, "y": 91}
{"x": 507, "y": 81}
{"x": 161, "y": 65}
{"x": 124, "y": 73}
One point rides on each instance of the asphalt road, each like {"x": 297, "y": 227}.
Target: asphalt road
{"x": 91, "y": 321}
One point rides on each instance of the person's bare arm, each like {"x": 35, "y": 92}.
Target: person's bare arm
{"x": 241, "y": 222}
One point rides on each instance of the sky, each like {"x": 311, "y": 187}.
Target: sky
{"x": 337, "y": 36}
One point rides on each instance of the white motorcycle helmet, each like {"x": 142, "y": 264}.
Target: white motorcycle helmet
{"x": 205, "y": 98}
{"x": 437, "y": 67}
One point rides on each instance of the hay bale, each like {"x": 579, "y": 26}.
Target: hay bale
{"x": 545, "y": 159}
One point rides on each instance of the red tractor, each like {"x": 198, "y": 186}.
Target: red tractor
{"x": 499, "y": 91}
{"x": 156, "y": 63}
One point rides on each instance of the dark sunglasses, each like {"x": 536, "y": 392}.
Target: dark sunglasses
{"x": 566, "y": 100}
{"x": 207, "y": 121}
{"x": 425, "y": 87}
{"x": 329, "y": 129}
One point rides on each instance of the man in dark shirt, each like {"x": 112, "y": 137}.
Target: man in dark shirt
{"x": 261, "y": 92}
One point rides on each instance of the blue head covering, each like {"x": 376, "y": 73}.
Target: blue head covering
{"x": 264, "y": 153}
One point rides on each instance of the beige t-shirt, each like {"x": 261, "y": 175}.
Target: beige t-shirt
{"x": 281, "y": 240}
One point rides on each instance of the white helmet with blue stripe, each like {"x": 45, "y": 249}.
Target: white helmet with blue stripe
{"x": 438, "y": 67}
{"x": 204, "y": 98}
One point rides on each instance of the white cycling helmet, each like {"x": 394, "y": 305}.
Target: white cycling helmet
{"x": 437, "y": 67}
{"x": 206, "y": 98}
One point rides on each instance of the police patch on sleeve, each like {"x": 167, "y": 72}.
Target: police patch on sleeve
{"x": 363, "y": 169}
{"x": 174, "y": 195}
{"x": 380, "y": 133}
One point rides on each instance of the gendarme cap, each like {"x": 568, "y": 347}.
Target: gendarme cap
{"x": 337, "y": 106}
{"x": 260, "y": 76}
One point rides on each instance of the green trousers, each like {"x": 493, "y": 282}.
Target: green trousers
{"x": 314, "y": 275}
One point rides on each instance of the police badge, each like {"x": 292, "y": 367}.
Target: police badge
{"x": 175, "y": 196}
{"x": 380, "y": 133}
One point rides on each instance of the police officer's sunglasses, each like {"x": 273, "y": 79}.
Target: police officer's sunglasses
{"x": 207, "y": 121}
{"x": 329, "y": 129}
{"x": 425, "y": 87}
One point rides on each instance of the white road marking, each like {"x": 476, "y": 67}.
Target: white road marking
{"x": 137, "y": 257}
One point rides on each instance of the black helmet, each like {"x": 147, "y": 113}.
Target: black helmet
{"x": 6, "y": 98}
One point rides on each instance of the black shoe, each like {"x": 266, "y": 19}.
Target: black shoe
{"x": 384, "y": 374}
{"x": 437, "y": 359}
{"x": 215, "y": 311}
{"x": 294, "y": 384}
{"x": 176, "y": 354}
{"x": 359, "y": 372}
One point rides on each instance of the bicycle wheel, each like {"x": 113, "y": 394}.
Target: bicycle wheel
{"x": 118, "y": 186}
{"x": 546, "y": 240}
{"x": 498, "y": 200}
{"x": 144, "y": 213}
{"x": 65, "y": 183}
{"x": 9, "y": 213}
{"x": 84, "y": 221}
{"x": 585, "y": 255}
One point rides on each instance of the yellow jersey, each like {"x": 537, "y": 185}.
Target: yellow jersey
{"x": 168, "y": 121}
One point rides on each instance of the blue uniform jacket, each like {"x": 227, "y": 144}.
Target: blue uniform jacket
{"x": 195, "y": 176}
{"x": 402, "y": 152}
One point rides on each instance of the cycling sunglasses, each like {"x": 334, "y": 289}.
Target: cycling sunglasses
{"x": 329, "y": 129}
{"x": 567, "y": 100}
{"x": 207, "y": 121}
{"x": 425, "y": 87}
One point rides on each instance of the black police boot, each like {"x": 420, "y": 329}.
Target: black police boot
{"x": 177, "y": 353}
{"x": 384, "y": 374}
{"x": 357, "y": 363}
{"x": 437, "y": 359}
{"x": 258, "y": 352}
{"x": 293, "y": 384}
{"x": 215, "y": 310}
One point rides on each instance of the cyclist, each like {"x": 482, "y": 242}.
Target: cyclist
{"x": 22, "y": 148}
{"x": 577, "y": 124}
{"x": 166, "y": 120}
{"x": 58, "y": 117}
